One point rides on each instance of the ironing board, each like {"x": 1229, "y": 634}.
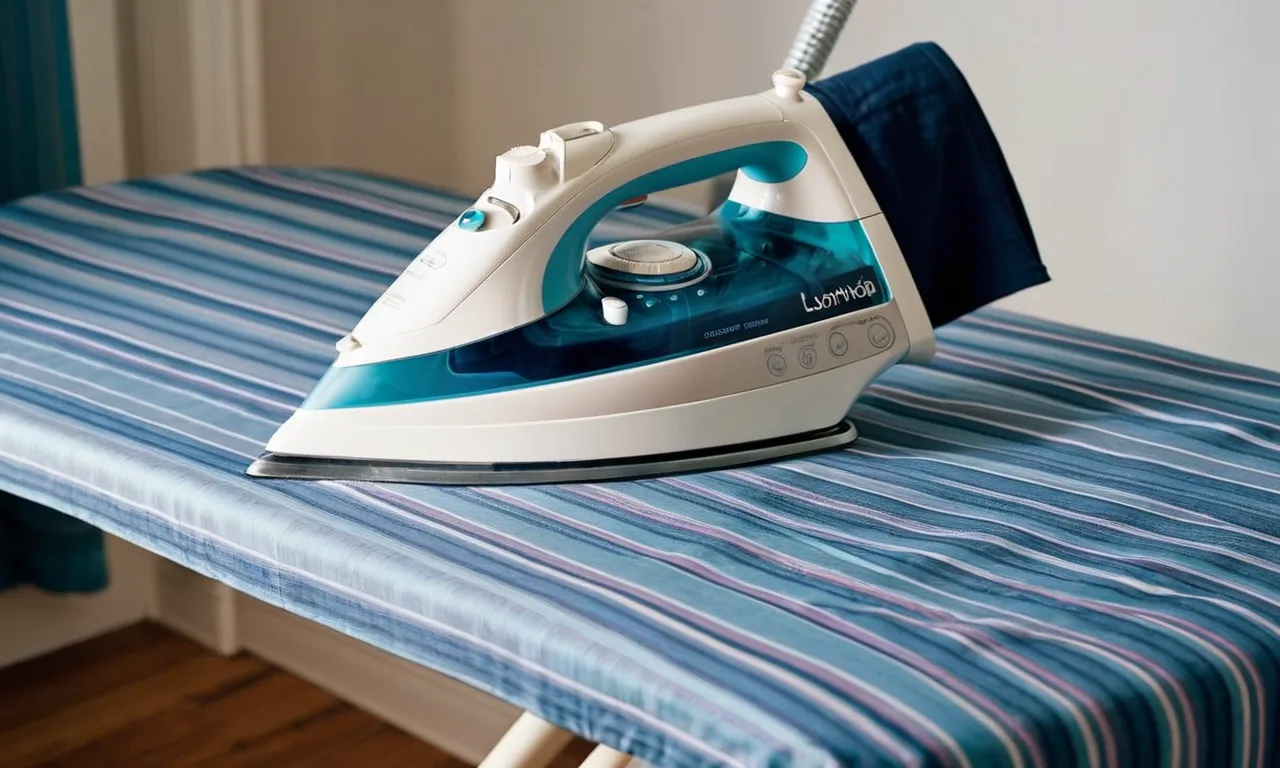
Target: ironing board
{"x": 1050, "y": 547}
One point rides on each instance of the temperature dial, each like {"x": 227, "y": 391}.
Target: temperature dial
{"x": 645, "y": 257}
{"x": 653, "y": 264}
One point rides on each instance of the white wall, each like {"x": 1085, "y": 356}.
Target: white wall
{"x": 1143, "y": 137}
{"x": 525, "y": 67}
{"x": 365, "y": 84}
{"x": 1142, "y": 134}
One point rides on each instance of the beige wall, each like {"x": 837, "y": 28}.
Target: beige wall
{"x": 1140, "y": 133}
{"x": 433, "y": 89}
{"x": 531, "y": 66}
{"x": 361, "y": 83}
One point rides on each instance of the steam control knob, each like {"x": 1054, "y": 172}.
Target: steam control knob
{"x": 525, "y": 167}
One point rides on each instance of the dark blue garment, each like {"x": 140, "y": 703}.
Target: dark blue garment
{"x": 932, "y": 160}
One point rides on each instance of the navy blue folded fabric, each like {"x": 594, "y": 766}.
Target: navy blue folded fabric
{"x": 928, "y": 153}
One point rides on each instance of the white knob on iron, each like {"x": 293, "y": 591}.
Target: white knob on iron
{"x": 614, "y": 310}
{"x": 526, "y": 168}
{"x": 788, "y": 83}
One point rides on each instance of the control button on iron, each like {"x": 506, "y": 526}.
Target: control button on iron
{"x": 471, "y": 220}
{"x": 879, "y": 335}
{"x": 614, "y": 310}
{"x": 510, "y": 209}
{"x": 838, "y": 344}
{"x": 573, "y": 131}
{"x": 777, "y": 365}
{"x": 808, "y": 357}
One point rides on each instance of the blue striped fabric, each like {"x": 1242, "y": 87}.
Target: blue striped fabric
{"x": 1049, "y": 548}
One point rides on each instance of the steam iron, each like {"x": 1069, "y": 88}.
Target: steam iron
{"x": 509, "y": 351}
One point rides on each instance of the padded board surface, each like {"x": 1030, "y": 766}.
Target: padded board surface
{"x": 1050, "y": 547}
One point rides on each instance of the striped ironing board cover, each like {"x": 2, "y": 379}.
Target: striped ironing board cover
{"x": 1051, "y": 547}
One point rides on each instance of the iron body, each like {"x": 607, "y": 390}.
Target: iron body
{"x": 514, "y": 348}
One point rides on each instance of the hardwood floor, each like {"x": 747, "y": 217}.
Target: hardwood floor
{"x": 144, "y": 696}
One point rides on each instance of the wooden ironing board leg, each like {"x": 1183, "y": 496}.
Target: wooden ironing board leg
{"x": 529, "y": 743}
{"x": 606, "y": 757}
{"x": 533, "y": 743}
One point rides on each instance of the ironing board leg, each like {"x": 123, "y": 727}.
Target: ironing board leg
{"x": 529, "y": 743}
{"x": 606, "y": 757}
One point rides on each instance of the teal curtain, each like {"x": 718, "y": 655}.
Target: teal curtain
{"x": 39, "y": 142}
{"x": 48, "y": 549}
{"x": 40, "y": 151}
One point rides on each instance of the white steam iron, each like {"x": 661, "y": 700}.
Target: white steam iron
{"x": 510, "y": 352}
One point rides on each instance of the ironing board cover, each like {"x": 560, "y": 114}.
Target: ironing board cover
{"x": 1050, "y": 547}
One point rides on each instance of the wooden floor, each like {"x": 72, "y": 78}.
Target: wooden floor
{"x": 144, "y": 696}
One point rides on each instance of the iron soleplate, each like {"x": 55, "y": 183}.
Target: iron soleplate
{"x": 281, "y": 467}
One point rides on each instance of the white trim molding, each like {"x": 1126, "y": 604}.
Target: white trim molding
{"x": 98, "y": 68}
{"x": 251, "y": 73}
{"x": 224, "y": 43}
{"x": 439, "y": 710}
{"x": 195, "y": 70}
{"x": 198, "y": 608}
{"x": 34, "y": 623}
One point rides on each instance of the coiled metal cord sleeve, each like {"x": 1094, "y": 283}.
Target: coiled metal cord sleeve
{"x": 817, "y": 35}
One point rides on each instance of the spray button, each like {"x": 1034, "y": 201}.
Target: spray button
{"x": 471, "y": 220}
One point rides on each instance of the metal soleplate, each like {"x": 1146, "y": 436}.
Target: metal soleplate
{"x": 276, "y": 466}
